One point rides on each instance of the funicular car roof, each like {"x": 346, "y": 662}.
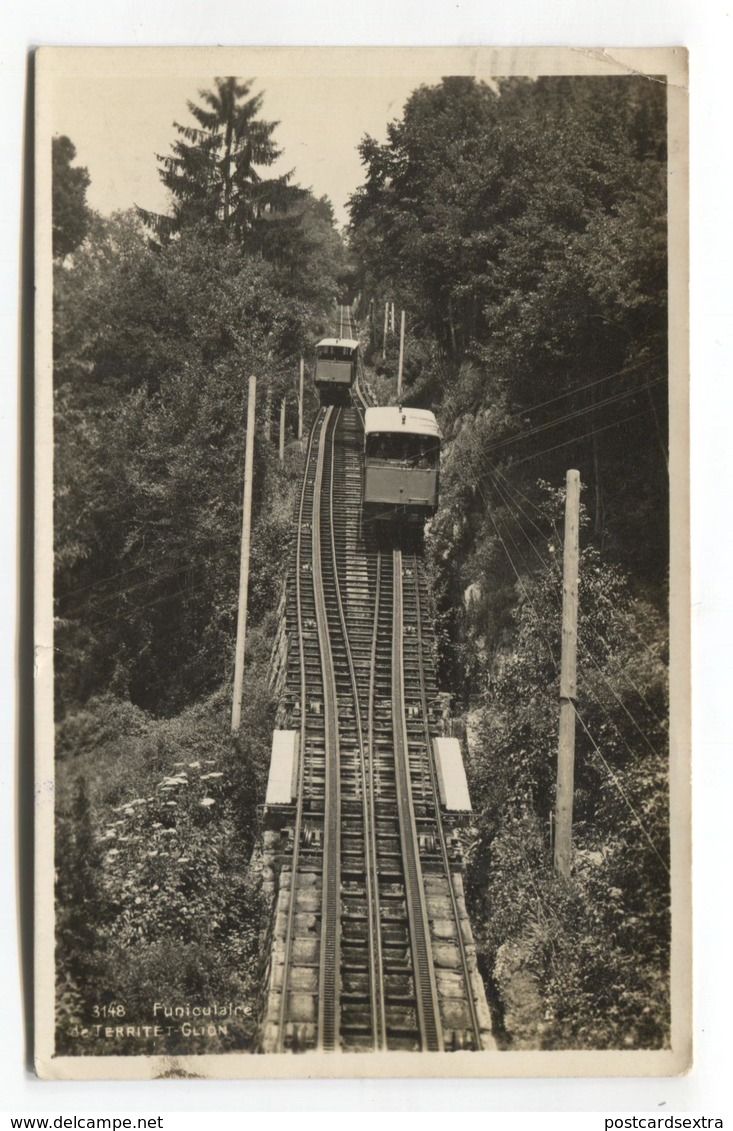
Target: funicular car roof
{"x": 408, "y": 421}
{"x": 343, "y": 343}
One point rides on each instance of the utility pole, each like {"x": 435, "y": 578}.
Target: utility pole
{"x": 402, "y": 355}
{"x": 244, "y": 561}
{"x": 300, "y": 400}
{"x": 281, "y": 435}
{"x": 268, "y": 411}
{"x": 568, "y": 679}
{"x": 386, "y": 326}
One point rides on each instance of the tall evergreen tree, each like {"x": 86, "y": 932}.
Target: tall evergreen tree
{"x": 213, "y": 172}
{"x": 70, "y": 214}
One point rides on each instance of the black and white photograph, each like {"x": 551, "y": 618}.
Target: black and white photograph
{"x": 362, "y": 566}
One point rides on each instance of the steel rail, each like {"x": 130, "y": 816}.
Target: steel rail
{"x": 303, "y": 729}
{"x": 426, "y": 992}
{"x": 370, "y": 783}
{"x": 370, "y": 867}
{"x": 475, "y": 1024}
{"x": 328, "y": 981}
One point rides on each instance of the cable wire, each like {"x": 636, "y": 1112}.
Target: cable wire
{"x": 614, "y": 399}
{"x": 604, "y": 678}
{"x": 589, "y": 384}
{"x": 585, "y": 436}
{"x": 621, "y": 792}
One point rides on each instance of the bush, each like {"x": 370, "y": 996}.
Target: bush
{"x": 156, "y": 900}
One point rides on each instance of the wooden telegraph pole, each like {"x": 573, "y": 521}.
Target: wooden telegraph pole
{"x": 386, "y": 326}
{"x": 568, "y": 680}
{"x": 402, "y": 355}
{"x": 244, "y": 561}
{"x": 281, "y": 435}
{"x": 300, "y": 400}
{"x": 268, "y": 410}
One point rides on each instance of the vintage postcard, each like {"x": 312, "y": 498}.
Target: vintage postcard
{"x": 362, "y": 574}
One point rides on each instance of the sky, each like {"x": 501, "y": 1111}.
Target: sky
{"x": 118, "y": 125}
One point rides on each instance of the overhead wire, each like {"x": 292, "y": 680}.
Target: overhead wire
{"x": 555, "y": 571}
{"x": 623, "y": 673}
{"x": 609, "y": 685}
{"x": 584, "y": 436}
{"x": 503, "y": 495}
{"x": 152, "y": 580}
{"x": 119, "y": 615}
{"x": 509, "y": 486}
{"x": 621, "y": 791}
{"x": 517, "y": 574}
{"x": 98, "y": 581}
{"x": 616, "y": 398}
{"x": 624, "y": 708}
{"x": 630, "y": 628}
{"x": 613, "y": 777}
{"x": 589, "y": 385}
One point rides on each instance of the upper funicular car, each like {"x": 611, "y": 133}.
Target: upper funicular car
{"x": 336, "y": 369}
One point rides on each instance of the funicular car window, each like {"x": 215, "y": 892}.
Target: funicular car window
{"x": 406, "y": 451}
{"x": 334, "y": 353}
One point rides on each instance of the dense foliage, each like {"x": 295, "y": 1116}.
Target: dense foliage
{"x": 150, "y": 412}
{"x": 523, "y": 230}
{"x": 595, "y": 951}
{"x": 157, "y": 819}
{"x": 153, "y": 346}
{"x": 522, "y": 226}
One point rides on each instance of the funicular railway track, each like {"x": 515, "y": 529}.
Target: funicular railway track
{"x": 374, "y": 957}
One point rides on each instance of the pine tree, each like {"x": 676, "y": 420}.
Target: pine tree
{"x": 70, "y": 213}
{"x": 213, "y": 170}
